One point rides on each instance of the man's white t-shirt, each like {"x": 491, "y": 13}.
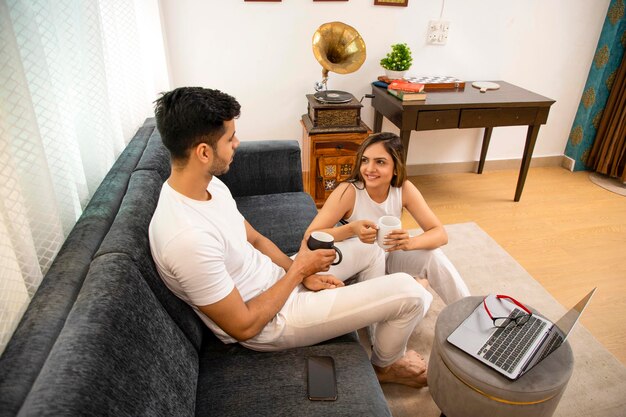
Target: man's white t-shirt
{"x": 202, "y": 253}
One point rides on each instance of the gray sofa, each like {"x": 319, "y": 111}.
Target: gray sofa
{"x": 104, "y": 336}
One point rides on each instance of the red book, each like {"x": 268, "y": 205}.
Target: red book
{"x": 406, "y": 86}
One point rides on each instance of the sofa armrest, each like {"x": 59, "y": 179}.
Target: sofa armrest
{"x": 265, "y": 167}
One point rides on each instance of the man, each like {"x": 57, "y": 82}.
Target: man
{"x": 239, "y": 283}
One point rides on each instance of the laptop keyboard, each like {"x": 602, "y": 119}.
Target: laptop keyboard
{"x": 506, "y": 347}
{"x": 555, "y": 341}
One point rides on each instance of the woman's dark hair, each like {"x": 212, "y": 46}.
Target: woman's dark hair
{"x": 393, "y": 146}
{"x": 188, "y": 116}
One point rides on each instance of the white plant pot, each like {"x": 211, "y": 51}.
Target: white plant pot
{"x": 394, "y": 75}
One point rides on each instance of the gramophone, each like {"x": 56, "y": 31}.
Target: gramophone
{"x": 339, "y": 48}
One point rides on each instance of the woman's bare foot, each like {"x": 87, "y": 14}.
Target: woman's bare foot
{"x": 409, "y": 370}
{"x": 423, "y": 282}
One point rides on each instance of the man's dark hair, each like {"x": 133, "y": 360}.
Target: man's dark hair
{"x": 188, "y": 116}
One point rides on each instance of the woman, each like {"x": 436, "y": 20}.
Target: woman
{"x": 378, "y": 187}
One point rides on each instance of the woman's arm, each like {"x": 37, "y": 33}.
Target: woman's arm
{"x": 434, "y": 234}
{"x": 338, "y": 205}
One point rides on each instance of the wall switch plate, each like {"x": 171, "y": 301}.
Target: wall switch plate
{"x": 437, "y": 33}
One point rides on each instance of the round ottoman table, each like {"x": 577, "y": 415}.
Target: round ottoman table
{"x": 462, "y": 386}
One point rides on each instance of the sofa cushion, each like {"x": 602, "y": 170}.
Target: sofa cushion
{"x": 119, "y": 354}
{"x": 282, "y": 218}
{"x": 273, "y": 384}
{"x": 156, "y": 157}
{"x": 28, "y": 349}
{"x": 129, "y": 235}
{"x": 265, "y": 167}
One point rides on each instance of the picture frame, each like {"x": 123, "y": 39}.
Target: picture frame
{"x": 400, "y": 3}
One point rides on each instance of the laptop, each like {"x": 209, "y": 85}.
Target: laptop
{"x": 515, "y": 349}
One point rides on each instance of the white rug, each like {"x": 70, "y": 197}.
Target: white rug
{"x": 598, "y": 383}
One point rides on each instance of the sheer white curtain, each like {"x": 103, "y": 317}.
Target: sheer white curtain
{"x": 74, "y": 87}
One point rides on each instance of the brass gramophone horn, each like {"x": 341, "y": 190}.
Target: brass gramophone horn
{"x": 339, "y": 48}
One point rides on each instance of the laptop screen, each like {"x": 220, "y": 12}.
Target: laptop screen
{"x": 569, "y": 319}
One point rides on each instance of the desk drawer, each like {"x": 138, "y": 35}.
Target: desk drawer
{"x": 498, "y": 117}
{"x": 437, "y": 119}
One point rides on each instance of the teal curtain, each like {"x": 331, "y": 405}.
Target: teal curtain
{"x": 607, "y": 59}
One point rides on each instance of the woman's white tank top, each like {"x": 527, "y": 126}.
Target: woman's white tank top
{"x": 367, "y": 209}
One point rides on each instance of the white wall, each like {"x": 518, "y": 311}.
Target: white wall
{"x": 260, "y": 52}
{"x": 152, "y": 40}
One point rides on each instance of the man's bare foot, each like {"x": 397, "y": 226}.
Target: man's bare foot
{"x": 408, "y": 370}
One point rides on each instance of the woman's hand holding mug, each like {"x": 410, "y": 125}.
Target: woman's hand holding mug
{"x": 365, "y": 230}
{"x": 391, "y": 236}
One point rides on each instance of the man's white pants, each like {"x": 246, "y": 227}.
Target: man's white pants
{"x": 396, "y": 303}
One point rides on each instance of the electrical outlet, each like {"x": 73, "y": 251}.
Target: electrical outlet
{"x": 438, "y": 32}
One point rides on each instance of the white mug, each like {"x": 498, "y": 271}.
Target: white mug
{"x": 385, "y": 225}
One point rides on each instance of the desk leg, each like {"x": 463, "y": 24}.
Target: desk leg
{"x": 483, "y": 151}
{"x": 405, "y": 137}
{"x": 531, "y": 138}
{"x": 378, "y": 121}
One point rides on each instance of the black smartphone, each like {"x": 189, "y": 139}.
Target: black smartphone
{"x": 321, "y": 381}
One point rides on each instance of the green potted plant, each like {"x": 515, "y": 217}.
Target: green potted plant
{"x": 398, "y": 61}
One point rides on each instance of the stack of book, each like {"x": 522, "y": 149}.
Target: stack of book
{"x": 406, "y": 90}
{"x": 431, "y": 83}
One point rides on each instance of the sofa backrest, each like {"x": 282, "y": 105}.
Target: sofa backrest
{"x": 119, "y": 354}
{"x": 265, "y": 167}
{"x": 129, "y": 235}
{"x": 106, "y": 336}
{"x": 129, "y": 346}
{"x": 155, "y": 157}
{"x": 38, "y": 329}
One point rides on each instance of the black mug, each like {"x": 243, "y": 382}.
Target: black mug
{"x": 323, "y": 240}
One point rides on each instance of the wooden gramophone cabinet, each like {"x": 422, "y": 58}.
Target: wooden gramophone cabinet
{"x": 331, "y": 135}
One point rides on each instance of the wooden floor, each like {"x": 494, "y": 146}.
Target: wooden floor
{"x": 567, "y": 232}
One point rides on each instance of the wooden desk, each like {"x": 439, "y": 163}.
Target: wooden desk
{"x": 468, "y": 108}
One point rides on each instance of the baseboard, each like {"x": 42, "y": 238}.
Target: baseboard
{"x": 568, "y": 163}
{"x": 493, "y": 165}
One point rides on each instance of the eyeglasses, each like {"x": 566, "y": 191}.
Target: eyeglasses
{"x": 502, "y": 322}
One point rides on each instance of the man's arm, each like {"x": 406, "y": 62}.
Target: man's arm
{"x": 267, "y": 247}
{"x": 244, "y": 320}
{"x": 264, "y": 245}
